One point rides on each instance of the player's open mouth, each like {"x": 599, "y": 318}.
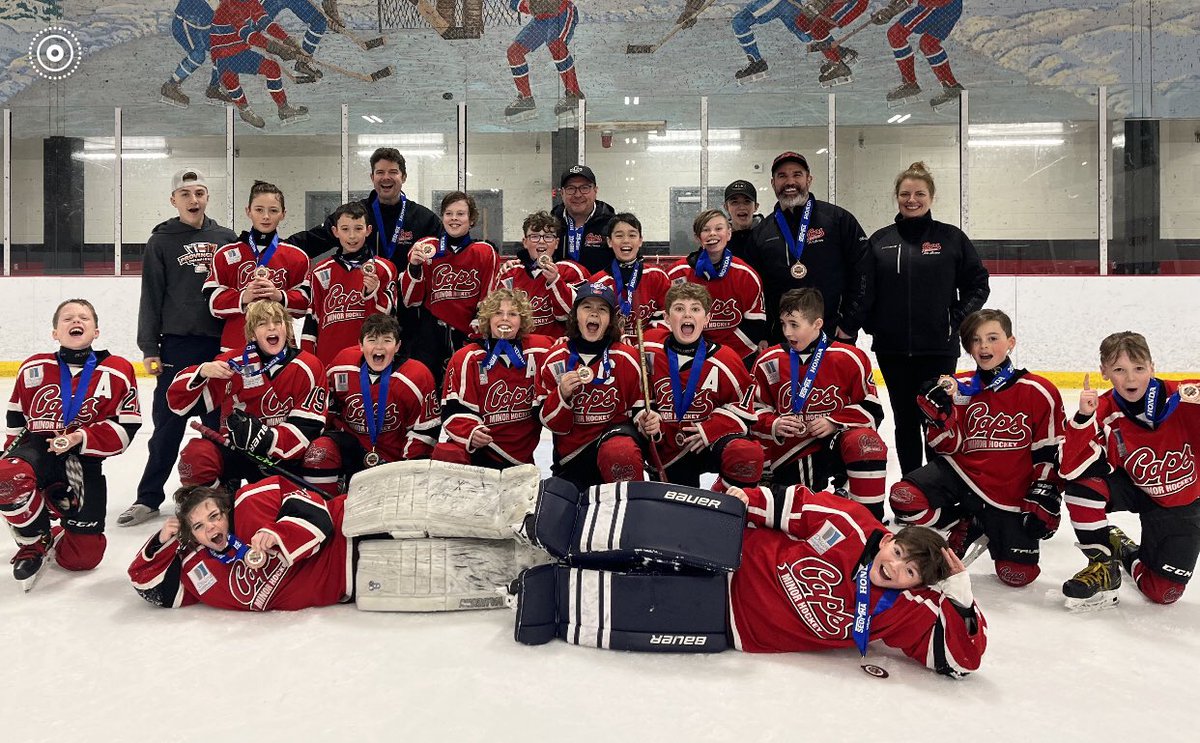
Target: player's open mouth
{"x": 711, "y": 242}
{"x": 218, "y": 540}
{"x": 272, "y": 339}
{"x": 75, "y": 332}
{"x": 504, "y": 329}
{"x": 687, "y": 328}
{"x": 884, "y": 571}
{"x": 593, "y": 327}
{"x": 378, "y": 358}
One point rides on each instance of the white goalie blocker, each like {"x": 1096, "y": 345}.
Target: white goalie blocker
{"x": 439, "y": 574}
{"x": 424, "y": 498}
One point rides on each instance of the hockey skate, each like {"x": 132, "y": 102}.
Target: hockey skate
{"x": 835, "y": 73}
{"x": 949, "y": 93}
{"x": 172, "y": 94}
{"x": 248, "y": 115}
{"x": 306, "y": 72}
{"x": 289, "y": 114}
{"x": 1125, "y": 549}
{"x": 522, "y": 109}
{"x": 964, "y": 535}
{"x": 903, "y": 95}
{"x": 214, "y": 96}
{"x": 849, "y": 55}
{"x": 568, "y": 105}
{"x": 1095, "y": 587}
{"x": 136, "y": 514}
{"x": 31, "y": 560}
{"x": 753, "y": 72}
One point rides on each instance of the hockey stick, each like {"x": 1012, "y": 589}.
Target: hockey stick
{"x": 365, "y": 77}
{"x": 263, "y": 463}
{"x": 655, "y": 459}
{"x": 340, "y": 28}
{"x": 838, "y": 42}
{"x": 820, "y": 14}
{"x": 435, "y": 19}
{"x": 18, "y": 438}
{"x": 652, "y": 48}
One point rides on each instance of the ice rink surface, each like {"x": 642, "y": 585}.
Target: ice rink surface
{"x": 86, "y": 659}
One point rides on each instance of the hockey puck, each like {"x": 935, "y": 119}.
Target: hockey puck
{"x": 873, "y": 670}
{"x": 447, "y": 96}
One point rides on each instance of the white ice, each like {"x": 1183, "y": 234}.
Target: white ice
{"x": 86, "y": 659}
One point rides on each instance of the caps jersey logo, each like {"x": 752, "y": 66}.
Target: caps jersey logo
{"x": 543, "y": 310}
{"x": 595, "y": 403}
{"x": 246, "y": 275}
{"x": 254, "y": 588}
{"x": 354, "y": 417}
{"x": 45, "y": 410}
{"x": 450, "y": 283}
{"x": 506, "y": 403}
{"x": 809, "y": 583}
{"x": 821, "y": 401}
{"x": 1165, "y": 475}
{"x": 272, "y": 409}
{"x": 703, "y": 404}
{"x": 724, "y": 314}
{"x": 928, "y": 248}
{"x": 342, "y": 304}
{"x": 987, "y": 431}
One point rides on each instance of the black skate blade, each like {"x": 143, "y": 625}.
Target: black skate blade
{"x": 378, "y": 75}
{"x": 172, "y": 103}
{"x": 752, "y": 78}
{"x": 641, "y": 48}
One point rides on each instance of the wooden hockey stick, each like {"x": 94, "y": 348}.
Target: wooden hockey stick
{"x": 834, "y": 43}
{"x": 655, "y": 459}
{"x": 652, "y": 48}
{"x": 372, "y": 77}
{"x": 262, "y": 462}
{"x": 435, "y": 19}
{"x": 340, "y": 28}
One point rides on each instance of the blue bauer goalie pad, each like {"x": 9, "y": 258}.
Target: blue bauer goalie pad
{"x": 626, "y": 524}
{"x": 652, "y": 612}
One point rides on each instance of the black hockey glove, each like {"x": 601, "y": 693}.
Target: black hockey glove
{"x": 1040, "y": 510}
{"x": 888, "y": 12}
{"x": 249, "y": 434}
{"x": 935, "y": 402}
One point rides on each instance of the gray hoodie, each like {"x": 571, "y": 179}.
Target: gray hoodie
{"x": 174, "y": 269}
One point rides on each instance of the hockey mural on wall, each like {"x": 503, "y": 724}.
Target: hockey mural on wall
{"x": 283, "y": 62}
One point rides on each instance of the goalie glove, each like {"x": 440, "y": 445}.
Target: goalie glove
{"x": 282, "y": 50}
{"x": 935, "y": 403}
{"x": 1040, "y": 510}
{"x": 249, "y": 434}
{"x": 888, "y": 12}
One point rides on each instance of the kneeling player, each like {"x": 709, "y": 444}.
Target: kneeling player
{"x": 490, "y": 400}
{"x": 700, "y": 386}
{"x": 295, "y": 556}
{"x": 592, "y": 391}
{"x": 997, "y": 430}
{"x": 817, "y": 407}
{"x": 1131, "y": 449}
{"x": 272, "y": 397}
{"x": 69, "y": 411}
{"x": 381, "y": 409}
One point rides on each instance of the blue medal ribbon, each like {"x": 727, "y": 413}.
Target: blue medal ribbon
{"x": 1149, "y": 410}
{"x": 72, "y": 401}
{"x": 625, "y": 291}
{"x": 444, "y": 241}
{"x": 239, "y": 548}
{"x": 795, "y": 244}
{"x": 574, "y": 361}
{"x": 682, "y": 398}
{"x": 862, "y": 612}
{"x": 975, "y": 385}
{"x": 243, "y": 367}
{"x": 511, "y": 350}
{"x": 574, "y": 236}
{"x": 389, "y": 244}
{"x": 263, "y": 258}
{"x": 801, "y": 391}
{"x": 374, "y": 409}
{"x": 705, "y": 268}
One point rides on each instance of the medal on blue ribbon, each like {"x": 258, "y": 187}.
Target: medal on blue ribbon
{"x": 1150, "y": 411}
{"x": 444, "y": 242}
{"x": 574, "y": 361}
{"x": 975, "y": 385}
{"x": 243, "y": 367}
{"x": 239, "y": 548}
{"x": 374, "y": 409}
{"x": 263, "y": 258}
{"x": 625, "y": 291}
{"x": 511, "y": 350}
{"x": 705, "y": 268}
{"x": 801, "y": 390}
{"x": 796, "y": 244}
{"x": 72, "y": 401}
{"x": 389, "y": 244}
{"x": 682, "y": 398}
{"x": 862, "y": 610}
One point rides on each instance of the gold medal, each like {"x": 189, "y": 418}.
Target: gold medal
{"x": 799, "y": 270}
{"x": 545, "y": 260}
{"x": 1189, "y": 392}
{"x": 369, "y": 268}
{"x": 948, "y": 383}
{"x": 585, "y": 374}
{"x": 262, "y": 272}
{"x": 60, "y": 444}
{"x": 255, "y": 559}
{"x": 426, "y": 251}
{"x": 371, "y": 459}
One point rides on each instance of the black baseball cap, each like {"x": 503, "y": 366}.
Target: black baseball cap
{"x": 577, "y": 171}
{"x": 789, "y": 156}
{"x": 741, "y": 188}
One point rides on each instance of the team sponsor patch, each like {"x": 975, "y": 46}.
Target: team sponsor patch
{"x": 771, "y": 371}
{"x": 202, "y": 578}
{"x": 323, "y": 277}
{"x": 33, "y": 376}
{"x": 341, "y": 382}
{"x": 232, "y": 256}
{"x": 825, "y": 538}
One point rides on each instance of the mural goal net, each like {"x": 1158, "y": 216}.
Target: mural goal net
{"x": 453, "y": 19}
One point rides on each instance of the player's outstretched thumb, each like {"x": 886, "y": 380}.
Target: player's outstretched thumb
{"x": 1086, "y": 379}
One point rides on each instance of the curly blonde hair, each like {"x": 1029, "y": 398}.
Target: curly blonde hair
{"x": 491, "y": 305}
{"x": 267, "y": 310}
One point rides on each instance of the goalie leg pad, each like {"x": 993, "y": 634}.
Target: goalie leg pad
{"x": 424, "y": 498}
{"x": 624, "y": 611}
{"x": 438, "y": 574}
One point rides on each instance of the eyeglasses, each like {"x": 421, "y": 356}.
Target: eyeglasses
{"x": 585, "y": 189}
{"x": 538, "y": 237}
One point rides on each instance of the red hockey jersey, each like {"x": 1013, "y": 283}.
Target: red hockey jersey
{"x": 109, "y": 418}
{"x": 649, "y": 301}
{"x": 551, "y": 304}
{"x": 1161, "y": 461}
{"x": 451, "y": 287}
{"x": 504, "y": 398}
{"x": 843, "y": 391}
{"x": 412, "y": 420}
{"x": 235, "y": 27}
{"x": 310, "y": 567}
{"x": 737, "y": 319}
{"x": 795, "y": 590}
{"x": 290, "y": 397}
{"x": 1000, "y": 442}
{"x": 720, "y": 407}
{"x": 339, "y": 307}
{"x": 232, "y": 271}
{"x": 612, "y": 398}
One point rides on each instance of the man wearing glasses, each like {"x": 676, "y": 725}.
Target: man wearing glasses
{"x": 586, "y": 221}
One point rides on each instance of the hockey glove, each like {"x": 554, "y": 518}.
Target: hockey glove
{"x": 936, "y": 403}
{"x": 282, "y": 50}
{"x": 330, "y": 9}
{"x": 1040, "y": 510}
{"x": 888, "y": 12}
{"x": 249, "y": 434}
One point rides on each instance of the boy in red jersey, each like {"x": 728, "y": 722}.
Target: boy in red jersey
{"x": 641, "y": 288}
{"x": 818, "y": 410}
{"x": 69, "y": 411}
{"x": 347, "y": 288}
{"x": 1132, "y": 449}
{"x": 997, "y": 430}
{"x": 546, "y": 283}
